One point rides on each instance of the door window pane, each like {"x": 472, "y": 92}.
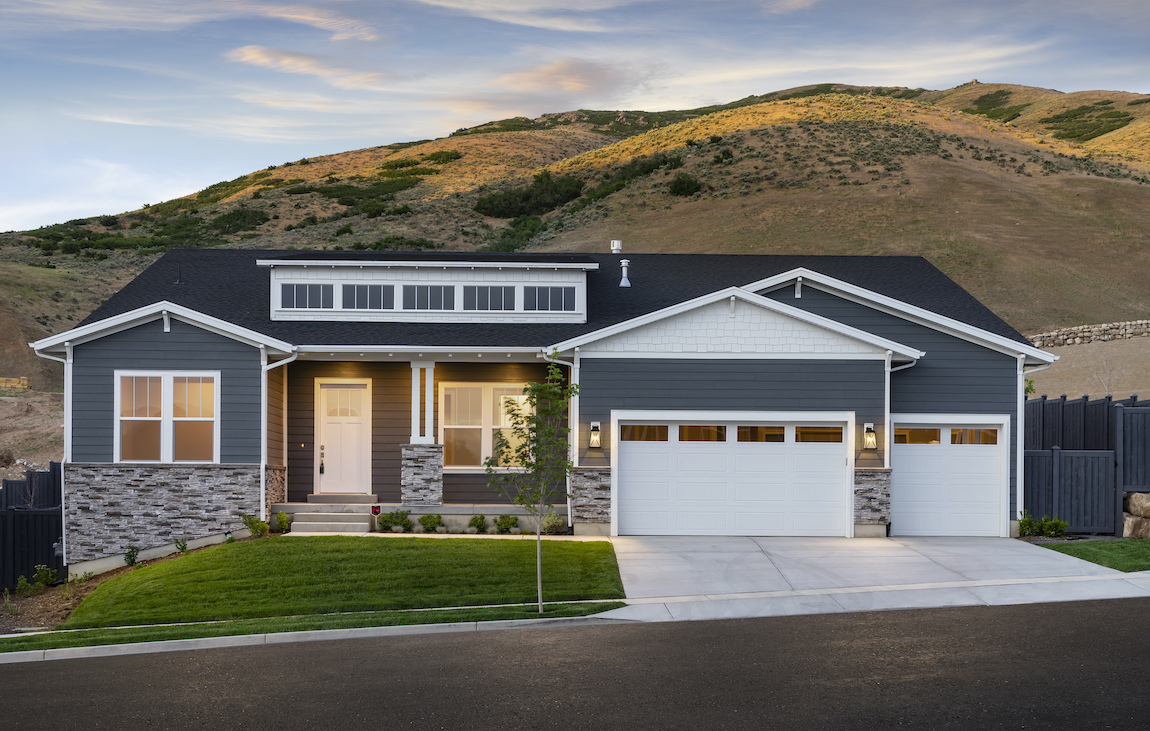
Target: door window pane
{"x": 917, "y": 436}
{"x": 762, "y": 433}
{"x": 140, "y": 441}
{"x": 192, "y": 441}
{"x": 819, "y": 434}
{"x": 974, "y": 436}
{"x": 642, "y": 433}
{"x": 702, "y": 433}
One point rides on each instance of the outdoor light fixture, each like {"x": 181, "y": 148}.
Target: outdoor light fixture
{"x": 870, "y": 440}
{"x": 595, "y": 442}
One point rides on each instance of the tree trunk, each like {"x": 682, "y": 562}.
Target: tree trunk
{"x": 539, "y": 560}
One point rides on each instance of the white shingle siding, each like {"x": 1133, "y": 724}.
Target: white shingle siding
{"x": 712, "y": 329}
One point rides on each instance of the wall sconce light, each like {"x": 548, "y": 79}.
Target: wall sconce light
{"x": 870, "y": 439}
{"x": 595, "y": 441}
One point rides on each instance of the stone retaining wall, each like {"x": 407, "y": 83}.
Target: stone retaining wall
{"x": 591, "y": 494}
{"x": 872, "y": 496}
{"x": 421, "y": 474}
{"x": 111, "y": 506}
{"x": 1092, "y": 333}
{"x": 1136, "y": 515}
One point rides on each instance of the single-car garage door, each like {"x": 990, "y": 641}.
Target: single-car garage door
{"x": 732, "y": 478}
{"x": 947, "y": 481}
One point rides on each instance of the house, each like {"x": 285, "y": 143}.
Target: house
{"x": 718, "y": 395}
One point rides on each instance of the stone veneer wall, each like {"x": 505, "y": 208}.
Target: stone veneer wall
{"x": 1092, "y": 333}
{"x": 111, "y": 506}
{"x": 591, "y": 494}
{"x": 421, "y": 474}
{"x": 275, "y": 487}
{"x": 872, "y": 496}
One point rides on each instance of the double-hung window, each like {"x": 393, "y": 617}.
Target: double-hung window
{"x": 469, "y": 416}
{"x": 167, "y": 416}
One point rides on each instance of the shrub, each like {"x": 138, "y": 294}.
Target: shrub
{"x": 239, "y": 219}
{"x": 517, "y": 234}
{"x": 444, "y": 156}
{"x": 23, "y": 588}
{"x": 44, "y": 576}
{"x": 431, "y": 522}
{"x": 283, "y": 522}
{"x": 684, "y": 184}
{"x": 1045, "y": 526}
{"x": 553, "y": 523}
{"x": 181, "y": 544}
{"x": 544, "y": 194}
{"x": 506, "y": 522}
{"x": 258, "y": 528}
{"x": 716, "y": 139}
{"x": 131, "y": 555}
{"x": 406, "y": 162}
{"x": 395, "y": 517}
{"x": 344, "y": 230}
{"x": 109, "y": 221}
{"x": 478, "y": 522}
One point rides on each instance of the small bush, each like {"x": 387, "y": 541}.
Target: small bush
{"x": 478, "y": 522}
{"x": 506, "y": 522}
{"x": 684, "y": 185}
{"x": 258, "y": 528}
{"x": 1045, "y": 526}
{"x": 444, "y": 156}
{"x": 23, "y": 588}
{"x": 283, "y": 522}
{"x": 553, "y": 523}
{"x": 544, "y": 194}
{"x": 344, "y": 230}
{"x": 431, "y": 522}
{"x": 716, "y": 139}
{"x": 406, "y": 162}
{"x": 395, "y": 517}
{"x": 109, "y": 221}
{"x": 131, "y": 555}
{"x": 181, "y": 544}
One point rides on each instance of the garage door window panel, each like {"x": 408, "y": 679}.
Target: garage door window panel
{"x": 643, "y": 433}
{"x": 762, "y": 434}
{"x": 917, "y": 436}
{"x": 702, "y": 433}
{"x": 819, "y": 434}
{"x": 974, "y": 436}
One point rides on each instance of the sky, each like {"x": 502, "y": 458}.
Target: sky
{"x": 109, "y": 104}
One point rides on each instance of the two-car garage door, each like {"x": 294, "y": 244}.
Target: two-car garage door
{"x": 733, "y": 478}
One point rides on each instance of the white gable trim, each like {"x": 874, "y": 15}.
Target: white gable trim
{"x": 901, "y": 351}
{"x": 906, "y": 311}
{"x": 156, "y": 311}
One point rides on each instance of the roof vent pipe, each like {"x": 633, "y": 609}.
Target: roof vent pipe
{"x": 625, "y": 263}
{"x": 616, "y": 246}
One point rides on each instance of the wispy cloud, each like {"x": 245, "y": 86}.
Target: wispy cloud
{"x": 573, "y": 75}
{"x": 788, "y": 6}
{"x": 546, "y": 14}
{"x": 342, "y": 28}
{"x": 290, "y": 62}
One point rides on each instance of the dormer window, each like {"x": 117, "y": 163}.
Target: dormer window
{"x": 428, "y": 297}
{"x": 551, "y": 299}
{"x": 489, "y": 298}
{"x": 307, "y": 296}
{"x": 368, "y": 297}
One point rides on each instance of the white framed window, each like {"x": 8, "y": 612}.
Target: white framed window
{"x": 307, "y": 296}
{"x": 167, "y": 416}
{"x": 469, "y": 416}
{"x": 549, "y": 299}
{"x": 428, "y": 297}
{"x": 368, "y": 297}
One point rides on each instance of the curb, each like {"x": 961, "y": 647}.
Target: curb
{"x": 279, "y": 638}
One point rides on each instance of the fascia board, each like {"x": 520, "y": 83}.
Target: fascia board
{"x": 427, "y": 264}
{"x": 519, "y": 350}
{"x": 907, "y": 311}
{"x": 141, "y": 315}
{"x": 750, "y": 298}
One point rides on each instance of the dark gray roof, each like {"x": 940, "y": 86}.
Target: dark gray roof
{"x": 227, "y": 284}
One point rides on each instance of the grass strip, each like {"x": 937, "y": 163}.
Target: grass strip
{"x": 126, "y": 635}
{"x": 1127, "y": 554}
{"x": 278, "y": 577}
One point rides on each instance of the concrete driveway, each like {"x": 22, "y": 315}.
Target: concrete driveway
{"x": 673, "y": 578}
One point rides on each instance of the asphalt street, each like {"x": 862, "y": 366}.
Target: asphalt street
{"x": 1077, "y": 665}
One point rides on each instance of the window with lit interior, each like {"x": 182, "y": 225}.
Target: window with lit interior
{"x": 167, "y": 417}
{"x": 469, "y": 416}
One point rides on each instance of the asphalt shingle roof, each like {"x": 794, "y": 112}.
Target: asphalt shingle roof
{"x": 227, "y": 284}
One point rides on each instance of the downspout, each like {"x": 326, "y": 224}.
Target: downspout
{"x": 67, "y": 361}
{"x": 265, "y": 368}
{"x": 572, "y": 422}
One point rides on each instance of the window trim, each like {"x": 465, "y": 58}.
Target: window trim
{"x": 167, "y": 419}
{"x": 486, "y": 425}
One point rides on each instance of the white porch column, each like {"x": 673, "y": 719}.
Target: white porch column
{"x": 423, "y": 370}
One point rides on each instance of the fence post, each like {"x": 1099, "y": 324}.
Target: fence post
{"x": 1056, "y": 478}
{"x": 8, "y": 565}
{"x": 1119, "y": 478}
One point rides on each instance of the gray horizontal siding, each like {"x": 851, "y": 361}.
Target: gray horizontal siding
{"x": 148, "y": 347}
{"x": 472, "y": 488}
{"x": 955, "y": 377}
{"x": 728, "y": 385}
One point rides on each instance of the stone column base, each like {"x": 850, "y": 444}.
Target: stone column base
{"x": 872, "y": 500}
{"x": 421, "y": 474}
{"x": 591, "y": 499}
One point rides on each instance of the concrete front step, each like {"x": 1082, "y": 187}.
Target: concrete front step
{"x": 332, "y": 518}
{"x": 343, "y": 498}
{"x": 332, "y": 523}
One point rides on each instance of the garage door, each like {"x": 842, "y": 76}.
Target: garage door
{"x": 732, "y": 479}
{"x": 946, "y": 481}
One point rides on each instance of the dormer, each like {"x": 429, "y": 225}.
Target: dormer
{"x": 455, "y": 288}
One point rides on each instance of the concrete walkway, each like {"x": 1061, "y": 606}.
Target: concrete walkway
{"x": 674, "y": 579}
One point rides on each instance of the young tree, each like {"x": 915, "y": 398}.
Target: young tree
{"x": 532, "y": 466}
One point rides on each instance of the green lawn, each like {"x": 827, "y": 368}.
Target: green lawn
{"x": 283, "y": 577}
{"x": 90, "y": 637}
{"x": 1128, "y": 554}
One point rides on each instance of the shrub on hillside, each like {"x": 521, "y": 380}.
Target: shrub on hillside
{"x": 684, "y": 184}
{"x": 544, "y": 194}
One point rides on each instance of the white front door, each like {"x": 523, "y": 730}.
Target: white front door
{"x": 343, "y": 435}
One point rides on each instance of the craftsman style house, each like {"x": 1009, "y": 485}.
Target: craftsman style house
{"x": 718, "y": 395}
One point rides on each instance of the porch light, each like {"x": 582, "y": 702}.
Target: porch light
{"x": 870, "y": 439}
{"x": 595, "y": 442}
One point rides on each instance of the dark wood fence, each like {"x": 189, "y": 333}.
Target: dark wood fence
{"x": 1075, "y": 485}
{"x": 1073, "y": 423}
{"x": 31, "y": 526}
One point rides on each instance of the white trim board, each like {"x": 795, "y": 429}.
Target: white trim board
{"x": 903, "y": 351}
{"x": 906, "y": 311}
{"x": 586, "y": 266}
{"x": 810, "y": 417}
